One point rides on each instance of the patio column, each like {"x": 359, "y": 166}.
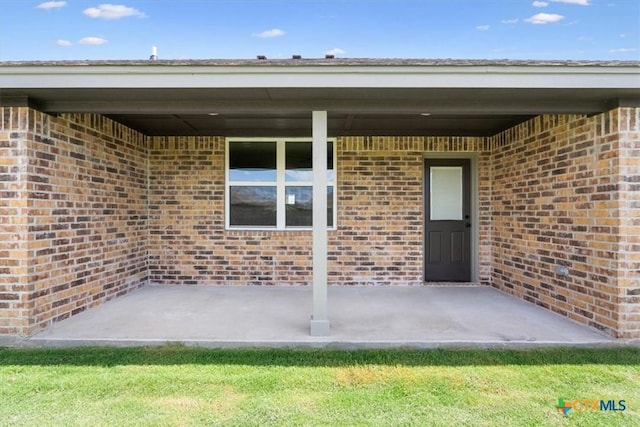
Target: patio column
{"x": 319, "y": 316}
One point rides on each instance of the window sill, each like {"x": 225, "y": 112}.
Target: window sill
{"x": 276, "y": 230}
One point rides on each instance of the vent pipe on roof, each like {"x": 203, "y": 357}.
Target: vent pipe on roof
{"x": 154, "y": 53}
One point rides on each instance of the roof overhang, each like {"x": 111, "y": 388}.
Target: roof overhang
{"x": 362, "y": 97}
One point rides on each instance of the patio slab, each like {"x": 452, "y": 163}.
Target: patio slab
{"x": 361, "y": 317}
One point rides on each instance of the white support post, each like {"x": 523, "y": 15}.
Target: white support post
{"x": 319, "y": 316}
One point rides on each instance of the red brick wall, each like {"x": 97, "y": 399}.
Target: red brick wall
{"x": 81, "y": 237}
{"x": 557, "y": 217}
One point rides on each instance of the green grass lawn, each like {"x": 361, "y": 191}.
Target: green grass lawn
{"x": 178, "y": 386}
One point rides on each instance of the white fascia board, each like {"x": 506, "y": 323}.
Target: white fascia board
{"x": 529, "y": 77}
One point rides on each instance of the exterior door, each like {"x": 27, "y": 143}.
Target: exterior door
{"x": 447, "y": 252}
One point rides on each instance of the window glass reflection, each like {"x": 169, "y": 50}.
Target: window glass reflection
{"x": 252, "y": 161}
{"x": 299, "y": 161}
{"x": 252, "y": 206}
{"x": 299, "y": 204}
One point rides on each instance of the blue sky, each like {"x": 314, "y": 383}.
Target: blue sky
{"x": 199, "y": 29}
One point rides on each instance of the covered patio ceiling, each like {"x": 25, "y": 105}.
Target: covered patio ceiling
{"x": 362, "y": 97}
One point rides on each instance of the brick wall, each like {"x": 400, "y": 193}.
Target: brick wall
{"x": 557, "y": 217}
{"x": 14, "y": 285}
{"x": 378, "y": 238}
{"x": 78, "y": 237}
{"x": 188, "y": 243}
{"x": 626, "y": 123}
{"x": 90, "y": 209}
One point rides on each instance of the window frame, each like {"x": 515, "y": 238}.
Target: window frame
{"x": 280, "y": 184}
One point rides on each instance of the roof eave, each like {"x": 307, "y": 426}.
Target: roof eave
{"x": 199, "y": 74}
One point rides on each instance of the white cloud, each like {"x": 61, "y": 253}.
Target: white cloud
{"x": 112, "y": 11}
{"x": 624, "y": 49}
{"x": 483, "y": 27}
{"x": 93, "y": 41}
{"x": 268, "y": 34}
{"x": 335, "y": 51}
{"x": 540, "y": 4}
{"x": 510, "y": 21}
{"x": 51, "y": 5}
{"x": 63, "y": 42}
{"x": 544, "y": 18}
{"x": 579, "y": 2}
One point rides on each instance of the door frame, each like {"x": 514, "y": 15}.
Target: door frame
{"x": 474, "y": 207}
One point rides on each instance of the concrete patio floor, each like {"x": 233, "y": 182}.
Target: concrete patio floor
{"x": 360, "y": 317}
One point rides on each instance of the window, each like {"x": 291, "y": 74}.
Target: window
{"x": 446, "y": 193}
{"x": 269, "y": 184}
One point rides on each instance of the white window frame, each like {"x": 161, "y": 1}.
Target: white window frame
{"x": 280, "y": 184}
